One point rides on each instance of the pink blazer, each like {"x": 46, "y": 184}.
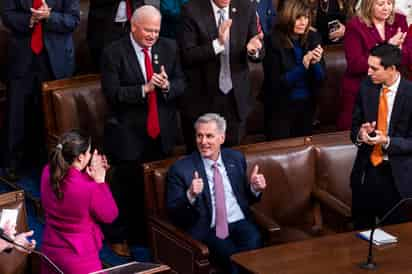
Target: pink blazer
{"x": 72, "y": 223}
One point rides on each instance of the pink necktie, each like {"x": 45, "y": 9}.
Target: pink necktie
{"x": 222, "y": 229}
{"x": 153, "y": 127}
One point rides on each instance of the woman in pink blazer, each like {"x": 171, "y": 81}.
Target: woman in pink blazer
{"x": 75, "y": 199}
{"x": 376, "y": 23}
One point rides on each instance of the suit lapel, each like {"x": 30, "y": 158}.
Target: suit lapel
{"x": 26, "y": 4}
{"x": 206, "y": 190}
{"x": 156, "y": 58}
{"x": 209, "y": 18}
{"x": 131, "y": 55}
{"x": 232, "y": 173}
{"x": 235, "y": 28}
{"x": 397, "y": 106}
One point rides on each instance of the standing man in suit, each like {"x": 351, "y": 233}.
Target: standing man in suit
{"x": 382, "y": 169}
{"x": 108, "y": 21}
{"x": 209, "y": 193}
{"x": 216, "y": 39}
{"x": 141, "y": 79}
{"x": 40, "y": 49}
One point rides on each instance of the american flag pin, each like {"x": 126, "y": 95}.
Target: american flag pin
{"x": 234, "y": 9}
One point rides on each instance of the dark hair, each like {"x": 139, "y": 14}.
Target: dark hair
{"x": 390, "y": 55}
{"x": 291, "y": 10}
{"x": 69, "y": 146}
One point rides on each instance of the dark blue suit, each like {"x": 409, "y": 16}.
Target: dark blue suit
{"x": 27, "y": 71}
{"x": 374, "y": 191}
{"x": 196, "y": 218}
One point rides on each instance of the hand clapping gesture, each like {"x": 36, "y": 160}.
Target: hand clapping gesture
{"x": 312, "y": 56}
{"x": 224, "y": 30}
{"x": 42, "y": 13}
{"x": 255, "y": 44}
{"x": 257, "y": 180}
{"x": 97, "y": 168}
{"x": 398, "y": 38}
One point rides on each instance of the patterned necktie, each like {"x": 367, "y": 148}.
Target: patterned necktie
{"x": 382, "y": 125}
{"x": 36, "y": 43}
{"x": 225, "y": 78}
{"x": 153, "y": 128}
{"x": 222, "y": 229}
{"x": 129, "y": 9}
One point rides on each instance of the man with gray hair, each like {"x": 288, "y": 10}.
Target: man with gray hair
{"x": 141, "y": 79}
{"x": 209, "y": 193}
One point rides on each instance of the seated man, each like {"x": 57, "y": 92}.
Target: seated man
{"x": 217, "y": 212}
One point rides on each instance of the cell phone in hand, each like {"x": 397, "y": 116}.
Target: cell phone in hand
{"x": 333, "y": 25}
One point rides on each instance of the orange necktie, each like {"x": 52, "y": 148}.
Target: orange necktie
{"x": 37, "y": 34}
{"x": 377, "y": 153}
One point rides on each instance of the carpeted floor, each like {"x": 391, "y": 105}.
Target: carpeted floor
{"x": 30, "y": 184}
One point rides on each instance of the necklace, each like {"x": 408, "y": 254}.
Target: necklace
{"x": 324, "y": 5}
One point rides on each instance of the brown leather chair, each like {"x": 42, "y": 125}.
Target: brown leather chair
{"x": 76, "y": 102}
{"x": 289, "y": 209}
{"x": 14, "y": 262}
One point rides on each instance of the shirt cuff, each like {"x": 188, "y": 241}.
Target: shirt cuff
{"x": 386, "y": 146}
{"x": 191, "y": 199}
{"x": 217, "y": 47}
{"x": 256, "y": 193}
{"x": 143, "y": 93}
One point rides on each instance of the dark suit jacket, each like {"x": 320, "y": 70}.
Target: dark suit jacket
{"x": 101, "y": 20}
{"x": 400, "y": 133}
{"x": 196, "y": 218}
{"x": 57, "y": 34}
{"x": 277, "y": 62}
{"x": 122, "y": 78}
{"x": 202, "y": 65}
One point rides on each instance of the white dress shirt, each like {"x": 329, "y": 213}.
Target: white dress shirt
{"x": 121, "y": 14}
{"x": 233, "y": 210}
{"x": 140, "y": 58}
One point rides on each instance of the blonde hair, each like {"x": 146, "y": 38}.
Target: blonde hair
{"x": 365, "y": 13}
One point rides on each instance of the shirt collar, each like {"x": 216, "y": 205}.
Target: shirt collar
{"x": 216, "y": 8}
{"x": 136, "y": 46}
{"x": 209, "y": 163}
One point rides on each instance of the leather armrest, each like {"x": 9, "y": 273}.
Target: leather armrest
{"x": 333, "y": 203}
{"x": 178, "y": 235}
{"x": 264, "y": 221}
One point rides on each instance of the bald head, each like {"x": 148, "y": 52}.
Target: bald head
{"x": 145, "y": 26}
{"x": 145, "y": 12}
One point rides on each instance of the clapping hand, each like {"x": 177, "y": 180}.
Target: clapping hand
{"x": 255, "y": 44}
{"x": 97, "y": 168}
{"x": 40, "y": 14}
{"x": 161, "y": 79}
{"x": 316, "y": 55}
{"x": 364, "y": 131}
{"x": 257, "y": 180}
{"x": 398, "y": 38}
{"x": 338, "y": 33}
{"x": 224, "y": 30}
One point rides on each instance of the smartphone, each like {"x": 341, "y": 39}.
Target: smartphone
{"x": 333, "y": 25}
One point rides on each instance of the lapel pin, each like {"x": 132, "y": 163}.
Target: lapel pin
{"x": 156, "y": 62}
{"x": 156, "y": 57}
{"x": 234, "y": 10}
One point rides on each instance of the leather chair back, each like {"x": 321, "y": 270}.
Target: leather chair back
{"x": 14, "y": 262}
{"x": 290, "y": 177}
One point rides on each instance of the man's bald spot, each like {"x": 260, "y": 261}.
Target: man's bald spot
{"x": 145, "y": 12}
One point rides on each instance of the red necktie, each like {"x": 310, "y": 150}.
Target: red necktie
{"x": 129, "y": 9}
{"x": 37, "y": 34}
{"x": 153, "y": 128}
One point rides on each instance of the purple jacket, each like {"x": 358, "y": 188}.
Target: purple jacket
{"x": 72, "y": 223}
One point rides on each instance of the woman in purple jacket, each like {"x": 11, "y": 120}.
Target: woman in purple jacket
{"x": 75, "y": 199}
{"x": 375, "y": 23}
